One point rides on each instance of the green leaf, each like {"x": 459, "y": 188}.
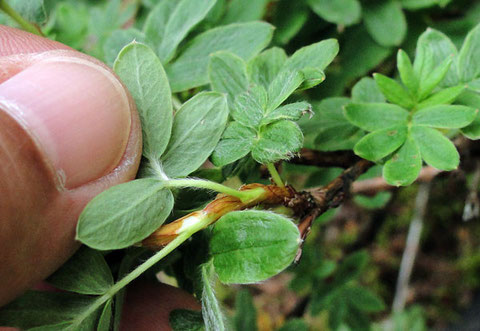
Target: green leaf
{"x": 211, "y": 311}
{"x": 71, "y": 24}
{"x": 311, "y": 78}
{"x": 433, "y": 47}
{"x": 228, "y": 74}
{"x": 343, "y": 12}
{"x": 124, "y": 214}
{"x": 182, "y": 19}
{"x": 289, "y": 19}
{"x": 445, "y": 96}
{"x": 119, "y": 39}
{"x": 474, "y": 85}
{"x": 277, "y": 141}
{"x": 351, "y": 267}
{"x": 106, "y": 317}
{"x": 197, "y": 128}
{"x": 330, "y": 127}
{"x": 385, "y": 22}
{"x": 437, "y": 150}
{"x": 375, "y": 116}
{"x": 30, "y": 10}
{"x": 143, "y": 74}
{"x": 366, "y": 90}
{"x": 245, "y": 11}
{"x": 251, "y": 246}
{"x": 445, "y": 116}
{"x": 292, "y": 111}
{"x": 236, "y": 142}
{"x": 363, "y": 299}
{"x": 36, "y": 309}
{"x": 393, "y": 91}
{"x": 86, "y": 272}
{"x": 471, "y": 99}
{"x": 246, "y": 315}
{"x": 263, "y": 68}
{"x": 248, "y": 108}
{"x": 378, "y": 144}
{"x": 189, "y": 70}
{"x": 431, "y": 80}
{"x": 420, "y": 4}
{"x": 468, "y": 61}
{"x": 282, "y": 87}
{"x": 318, "y": 55}
{"x": 182, "y": 320}
{"x": 295, "y": 324}
{"x": 157, "y": 20}
{"x": 407, "y": 74}
{"x": 404, "y": 166}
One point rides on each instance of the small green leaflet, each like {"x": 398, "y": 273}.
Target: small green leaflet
{"x": 236, "y": 142}
{"x": 156, "y": 22}
{"x": 437, "y": 150}
{"x": 433, "y": 47}
{"x": 282, "y": 87}
{"x": 394, "y": 91}
{"x": 124, "y": 214}
{"x": 245, "y": 11}
{"x": 143, "y": 74}
{"x": 251, "y": 246}
{"x": 197, "y": 128}
{"x": 49, "y": 311}
{"x": 331, "y": 130}
{"x": 375, "y": 116}
{"x": 228, "y": 74}
{"x": 106, "y": 317}
{"x": 243, "y": 39}
{"x": 366, "y": 90}
{"x": 119, "y": 39}
{"x": 211, "y": 311}
{"x": 363, "y": 299}
{"x": 445, "y": 116}
{"x": 385, "y": 21}
{"x": 277, "y": 141}
{"x": 343, "y": 12}
{"x": 181, "y": 20}
{"x": 263, "y": 68}
{"x": 468, "y": 61}
{"x": 86, "y": 272}
{"x": 318, "y": 55}
{"x": 378, "y": 144}
{"x": 407, "y": 74}
{"x": 246, "y": 315}
{"x": 471, "y": 99}
{"x": 249, "y": 106}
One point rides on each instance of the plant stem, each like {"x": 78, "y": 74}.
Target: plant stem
{"x": 27, "y": 26}
{"x": 244, "y": 196}
{"x": 275, "y": 175}
{"x": 139, "y": 270}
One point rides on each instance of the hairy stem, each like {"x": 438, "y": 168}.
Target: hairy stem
{"x": 24, "y": 24}
{"x": 275, "y": 175}
{"x": 138, "y": 271}
{"x": 244, "y": 196}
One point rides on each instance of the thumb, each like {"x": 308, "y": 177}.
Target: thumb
{"x": 68, "y": 130}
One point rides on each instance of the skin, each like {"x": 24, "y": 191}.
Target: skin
{"x": 52, "y": 166}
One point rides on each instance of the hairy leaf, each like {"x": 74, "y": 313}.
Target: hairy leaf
{"x": 143, "y": 74}
{"x": 445, "y": 116}
{"x": 251, "y": 246}
{"x": 124, "y": 214}
{"x": 236, "y": 142}
{"x": 197, "y": 128}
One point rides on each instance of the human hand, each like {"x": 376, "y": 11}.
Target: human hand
{"x": 68, "y": 130}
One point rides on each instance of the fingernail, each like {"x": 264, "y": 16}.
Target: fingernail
{"x": 77, "y": 111}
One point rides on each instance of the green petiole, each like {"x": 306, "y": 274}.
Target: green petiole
{"x": 275, "y": 175}
{"x": 244, "y": 196}
{"x": 27, "y": 26}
